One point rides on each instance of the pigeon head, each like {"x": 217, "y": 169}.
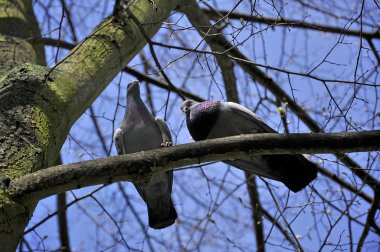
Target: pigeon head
{"x": 133, "y": 88}
{"x": 200, "y": 117}
{"x": 187, "y": 105}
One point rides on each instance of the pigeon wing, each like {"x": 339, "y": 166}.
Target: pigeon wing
{"x": 118, "y": 139}
{"x": 247, "y": 117}
{"x": 295, "y": 171}
{"x": 163, "y": 126}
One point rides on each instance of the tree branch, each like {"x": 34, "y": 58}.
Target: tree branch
{"x": 257, "y": 213}
{"x": 62, "y": 223}
{"x": 161, "y": 84}
{"x": 62, "y": 218}
{"x": 220, "y": 14}
{"x": 370, "y": 220}
{"x": 344, "y": 184}
{"x": 137, "y": 167}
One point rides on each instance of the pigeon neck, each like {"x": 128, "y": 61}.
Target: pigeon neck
{"x": 202, "y": 119}
{"x": 136, "y": 109}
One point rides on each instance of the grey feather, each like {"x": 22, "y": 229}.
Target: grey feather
{"x": 214, "y": 119}
{"x": 166, "y": 135}
{"x": 140, "y": 131}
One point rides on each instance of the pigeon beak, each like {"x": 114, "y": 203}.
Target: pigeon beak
{"x": 186, "y": 105}
{"x": 184, "y": 109}
{"x": 132, "y": 84}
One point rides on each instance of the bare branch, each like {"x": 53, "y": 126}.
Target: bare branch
{"x": 62, "y": 219}
{"x": 220, "y": 14}
{"x": 161, "y": 84}
{"x": 370, "y": 219}
{"x": 62, "y": 223}
{"x": 257, "y": 212}
{"x": 345, "y": 184}
{"x": 375, "y": 52}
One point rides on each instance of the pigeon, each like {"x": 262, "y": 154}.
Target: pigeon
{"x": 214, "y": 119}
{"x": 140, "y": 131}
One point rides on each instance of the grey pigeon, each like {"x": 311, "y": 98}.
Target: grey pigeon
{"x": 140, "y": 131}
{"x": 214, "y": 119}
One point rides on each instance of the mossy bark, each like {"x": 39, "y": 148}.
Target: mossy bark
{"x": 39, "y": 105}
{"x": 23, "y": 124}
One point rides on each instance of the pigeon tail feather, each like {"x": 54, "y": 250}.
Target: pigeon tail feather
{"x": 296, "y": 171}
{"x": 297, "y": 184}
{"x": 159, "y": 219}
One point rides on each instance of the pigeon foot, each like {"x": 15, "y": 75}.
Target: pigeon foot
{"x": 166, "y": 144}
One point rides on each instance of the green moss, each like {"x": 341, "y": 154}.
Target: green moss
{"x": 63, "y": 86}
{"x": 24, "y": 163}
{"x": 7, "y": 11}
{"x": 4, "y": 200}
{"x": 30, "y": 112}
{"x": 42, "y": 125}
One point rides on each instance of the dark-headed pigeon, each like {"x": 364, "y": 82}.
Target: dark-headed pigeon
{"x": 214, "y": 119}
{"x": 140, "y": 131}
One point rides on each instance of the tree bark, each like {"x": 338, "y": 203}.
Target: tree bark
{"x": 20, "y": 143}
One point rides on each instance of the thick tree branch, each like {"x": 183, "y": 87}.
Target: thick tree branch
{"x": 139, "y": 166}
{"x": 207, "y": 32}
{"x": 374, "y": 51}
{"x": 256, "y": 212}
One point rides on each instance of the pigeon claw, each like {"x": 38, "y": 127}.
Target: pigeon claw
{"x": 166, "y": 144}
